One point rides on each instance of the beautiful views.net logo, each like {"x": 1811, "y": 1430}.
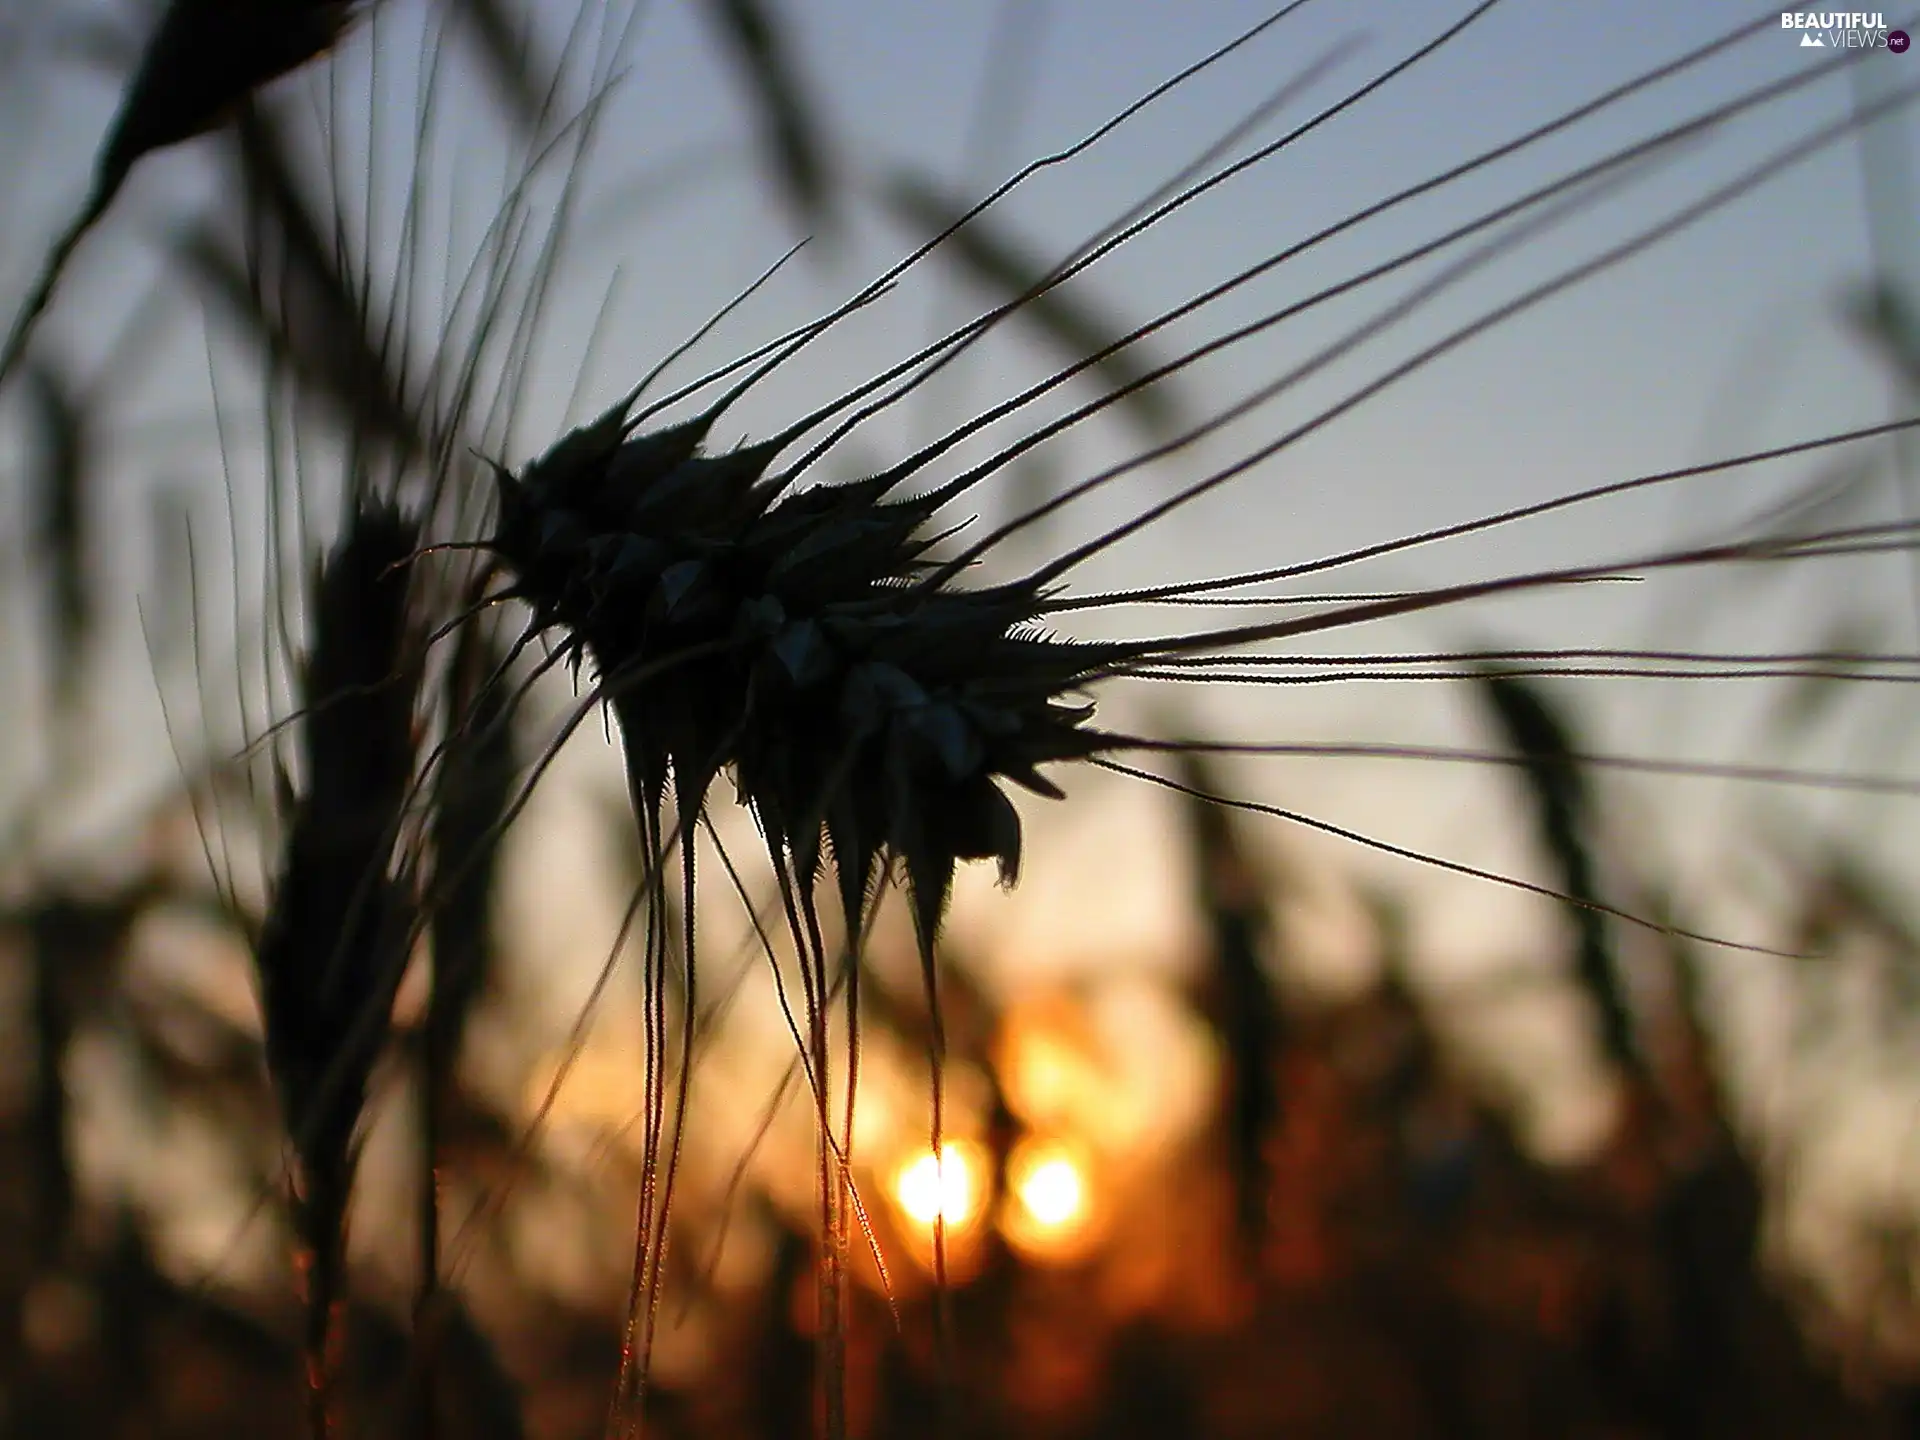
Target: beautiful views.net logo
{"x": 1844, "y": 30}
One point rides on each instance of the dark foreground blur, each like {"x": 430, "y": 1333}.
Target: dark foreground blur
{"x": 1354, "y": 1245}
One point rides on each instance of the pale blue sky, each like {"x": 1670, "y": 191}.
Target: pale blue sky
{"x": 1723, "y": 339}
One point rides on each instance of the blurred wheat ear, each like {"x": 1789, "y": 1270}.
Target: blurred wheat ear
{"x": 337, "y": 934}
{"x": 1245, "y": 1008}
{"x": 1541, "y": 736}
{"x": 204, "y": 59}
{"x": 1078, "y": 328}
{"x": 62, "y": 478}
{"x": 790, "y": 127}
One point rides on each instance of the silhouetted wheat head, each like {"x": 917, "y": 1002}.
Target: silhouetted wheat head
{"x": 867, "y": 707}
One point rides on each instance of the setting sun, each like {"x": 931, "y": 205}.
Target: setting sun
{"x": 947, "y": 1188}
{"x": 1049, "y": 1213}
{"x": 1052, "y": 1192}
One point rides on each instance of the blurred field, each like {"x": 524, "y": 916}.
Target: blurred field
{"x": 1558, "y": 1084}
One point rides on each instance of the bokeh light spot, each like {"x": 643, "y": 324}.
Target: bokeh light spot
{"x": 946, "y": 1188}
{"x": 1053, "y": 1192}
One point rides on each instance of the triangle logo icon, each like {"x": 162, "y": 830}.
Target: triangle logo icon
{"x": 1812, "y": 42}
